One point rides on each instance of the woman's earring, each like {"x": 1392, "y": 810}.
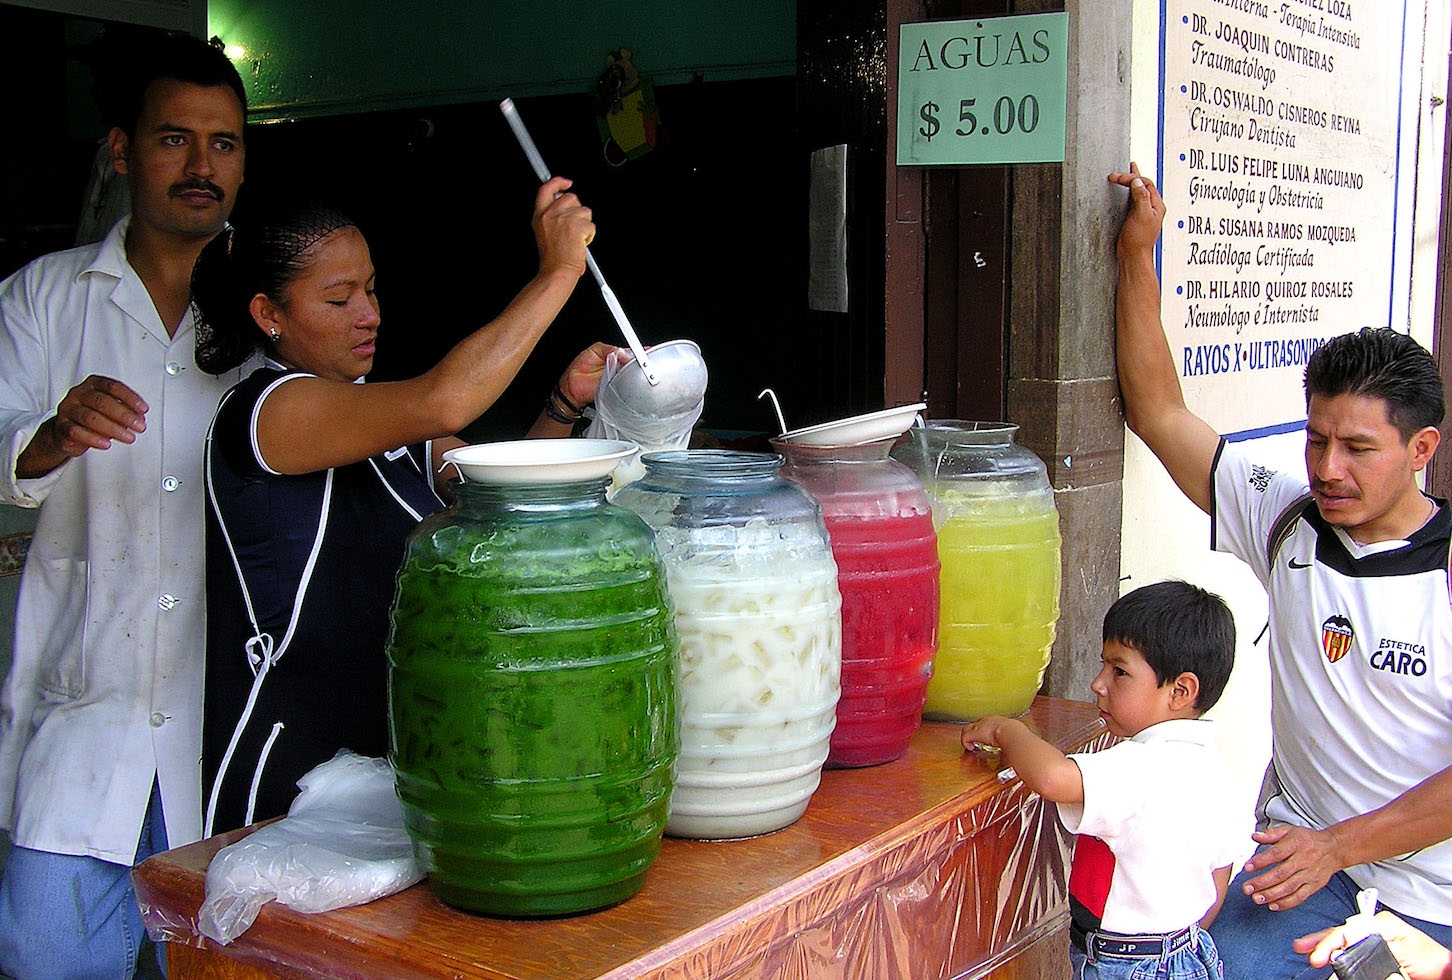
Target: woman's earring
{"x": 275, "y": 335}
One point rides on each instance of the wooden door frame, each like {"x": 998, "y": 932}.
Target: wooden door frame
{"x": 1439, "y": 474}
{"x": 947, "y": 263}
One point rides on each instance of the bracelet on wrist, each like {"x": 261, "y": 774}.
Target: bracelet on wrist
{"x": 555, "y": 415}
{"x": 560, "y": 409}
{"x": 565, "y": 403}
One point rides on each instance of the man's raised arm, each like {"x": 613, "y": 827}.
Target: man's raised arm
{"x": 1154, "y": 406}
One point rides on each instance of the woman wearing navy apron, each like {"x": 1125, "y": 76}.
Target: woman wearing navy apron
{"x": 314, "y": 480}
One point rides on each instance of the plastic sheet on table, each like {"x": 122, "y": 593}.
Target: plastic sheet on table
{"x": 933, "y": 907}
{"x": 947, "y": 896}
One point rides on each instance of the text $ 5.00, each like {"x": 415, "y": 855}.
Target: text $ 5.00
{"x": 1006, "y": 116}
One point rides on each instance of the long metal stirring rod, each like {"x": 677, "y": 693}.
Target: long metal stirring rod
{"x": 511, "y": 116}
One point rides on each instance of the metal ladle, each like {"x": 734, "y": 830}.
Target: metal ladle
{"x": 682, "y": 385}
{"x": 511, "y": 116}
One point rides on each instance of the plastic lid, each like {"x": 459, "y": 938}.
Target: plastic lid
{"x": 536, "y": 461}
{"x": 872, "y": 427}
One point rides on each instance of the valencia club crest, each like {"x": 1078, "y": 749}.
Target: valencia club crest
{"x": 1336, "y": 637}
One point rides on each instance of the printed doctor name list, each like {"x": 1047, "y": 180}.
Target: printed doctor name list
{"x": 1278, "y": 172}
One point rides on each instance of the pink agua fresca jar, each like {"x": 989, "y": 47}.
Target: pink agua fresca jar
{"x": 880, "y": 524}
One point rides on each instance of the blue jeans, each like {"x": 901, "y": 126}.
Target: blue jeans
{"x": 1256, "y": 942}
{"x": 1198, "y": 961}
{"x": 71, "y": 916}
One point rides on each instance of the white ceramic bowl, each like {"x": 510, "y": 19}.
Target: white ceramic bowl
{"x": 857, "y": 430}
{"x": 537, "y": 461}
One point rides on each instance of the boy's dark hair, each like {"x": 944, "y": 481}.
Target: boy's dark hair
{"x": 1177, "y": 627}
{"x": 1381, "y": 363}
{"x": 124, "y": 76}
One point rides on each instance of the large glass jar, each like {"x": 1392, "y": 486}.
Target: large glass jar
{"x": 998, "y": 539}
{"x": 759, "y": 615}
{"x": 881, "y": 527}
{"x": 533, "y": 699}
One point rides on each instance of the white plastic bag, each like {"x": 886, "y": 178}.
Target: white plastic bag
{"x": 342, "y": 843}
{"x": 615, "y": 419}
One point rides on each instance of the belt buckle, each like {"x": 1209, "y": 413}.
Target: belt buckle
{"x": 1180, "y": 940}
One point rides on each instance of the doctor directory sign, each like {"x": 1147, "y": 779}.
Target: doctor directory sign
{"x": 985, "y": 90}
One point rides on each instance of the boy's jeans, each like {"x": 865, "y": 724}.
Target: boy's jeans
{"x": 71, "y": 916}
{"x": 1197, "y": 961}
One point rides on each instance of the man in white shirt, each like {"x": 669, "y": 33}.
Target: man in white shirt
{"x": 1354, "y": 559}
{"x": 102, "y": 418}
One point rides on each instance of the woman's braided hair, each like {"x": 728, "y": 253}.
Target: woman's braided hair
{"x": 263, "y": 257}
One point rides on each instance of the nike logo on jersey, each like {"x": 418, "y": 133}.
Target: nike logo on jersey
{"x": 1297, "y": 564}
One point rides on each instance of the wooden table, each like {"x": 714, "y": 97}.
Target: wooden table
{"x": 927, "y": 867}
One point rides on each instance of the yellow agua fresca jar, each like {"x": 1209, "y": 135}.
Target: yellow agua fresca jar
{"x": 998, "y": 543}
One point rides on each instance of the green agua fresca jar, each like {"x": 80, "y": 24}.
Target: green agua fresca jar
{"x": 533, "y": 696}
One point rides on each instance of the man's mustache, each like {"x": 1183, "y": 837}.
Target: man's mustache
{"x": 198, "y": 184}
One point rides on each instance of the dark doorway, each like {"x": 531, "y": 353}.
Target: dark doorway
{"x": 947, "y": 265}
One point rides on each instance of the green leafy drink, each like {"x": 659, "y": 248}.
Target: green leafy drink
{"x": 533, "y": 700}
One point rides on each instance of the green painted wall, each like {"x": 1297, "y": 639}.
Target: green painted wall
{"x": 328, "y": 57}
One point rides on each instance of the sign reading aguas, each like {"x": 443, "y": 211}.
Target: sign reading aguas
{"x": 986, "y": 90}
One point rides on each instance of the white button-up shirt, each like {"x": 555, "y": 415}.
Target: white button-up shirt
{"x": 105, "y": 687}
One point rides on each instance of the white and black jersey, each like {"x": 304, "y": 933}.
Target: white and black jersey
{"x": 1361, "y": 665}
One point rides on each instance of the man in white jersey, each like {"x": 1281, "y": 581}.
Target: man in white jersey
{"x": 1354, "y": 558}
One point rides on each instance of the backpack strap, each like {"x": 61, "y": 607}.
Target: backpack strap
{"x": 1285, "y": 524}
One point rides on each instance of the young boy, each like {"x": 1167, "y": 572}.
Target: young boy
{"x": 1157, "y": 832}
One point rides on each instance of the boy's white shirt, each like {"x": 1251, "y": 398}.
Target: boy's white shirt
{"x": 1165, "y": 803}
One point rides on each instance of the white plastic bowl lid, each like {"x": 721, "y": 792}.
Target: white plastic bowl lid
{"x": 526, "y": 461}
{"x": 857, "y": 430}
